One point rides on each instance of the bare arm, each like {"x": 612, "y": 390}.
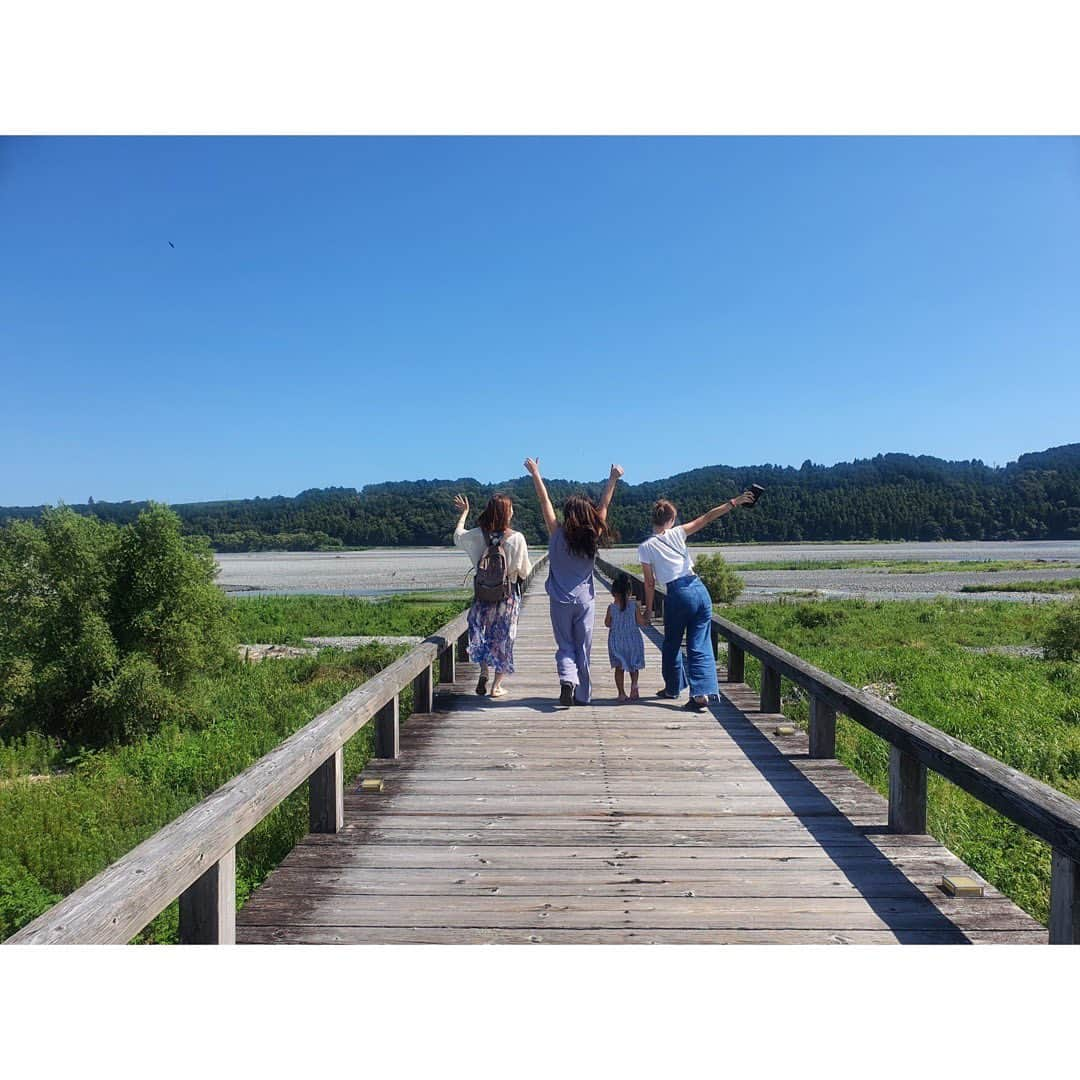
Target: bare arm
{"x": 607, "y": 617}
{"x": 639, "y": 613}
{"x": 609, "y": 491}
{"x": 551, "y": 522}
{"x": 461, "y": 503}
{"x": 650, "y": 591}
{"x": 708, "y": 518}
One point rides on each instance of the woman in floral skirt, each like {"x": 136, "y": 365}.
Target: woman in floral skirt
{"x": 493, "y": 627}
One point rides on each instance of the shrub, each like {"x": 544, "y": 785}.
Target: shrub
{"x": 811, "y": 616}
{"x": 723, "y": 583}
{"x": 1061, "y": 639}
{"x": 103, "y": 625}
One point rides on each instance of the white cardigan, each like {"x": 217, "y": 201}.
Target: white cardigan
{"x": 471, "y": 541}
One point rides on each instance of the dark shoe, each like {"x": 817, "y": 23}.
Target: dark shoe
{"x": 481, "y": 685}
{"x": 664, "y": 694}
{"x": 694, "y": 705}
{"x": 566, "y": 695}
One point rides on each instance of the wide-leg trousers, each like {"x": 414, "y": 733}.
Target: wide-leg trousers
{"x": 572, "y": 625}
{"x": 688, "y": 610}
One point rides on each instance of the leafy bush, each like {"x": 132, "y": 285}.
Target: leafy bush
{"x": 723, "y": 583}
{"x": 1061, "y": 639}
{"x": 103, "y": 625}
{"x": 814, "y": 615}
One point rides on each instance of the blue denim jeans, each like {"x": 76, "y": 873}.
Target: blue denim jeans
{"x": 688, "y": 610}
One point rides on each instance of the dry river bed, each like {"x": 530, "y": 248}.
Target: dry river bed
{"x": 390, "y": 570}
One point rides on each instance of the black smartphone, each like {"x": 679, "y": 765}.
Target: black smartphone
{"x": 757, "y": 491}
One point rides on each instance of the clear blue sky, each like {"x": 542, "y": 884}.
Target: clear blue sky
{"x": 343, "y": 311}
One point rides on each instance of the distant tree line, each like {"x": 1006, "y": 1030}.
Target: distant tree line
{"x": 888, "y": 497}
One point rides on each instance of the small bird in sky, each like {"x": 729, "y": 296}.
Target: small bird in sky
{"x": 171, "y": 244}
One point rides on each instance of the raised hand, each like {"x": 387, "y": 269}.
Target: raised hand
{"x": 745, "y": 499}
{"x": 616, "y": 471}
{"x": 461, "y": 503}
{"x": 532, "y": 466}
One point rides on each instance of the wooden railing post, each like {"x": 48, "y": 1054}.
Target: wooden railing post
{"x": 658, "y": 605}
{"x": 1064, "y": 899}
{"x": 822, "y": 729}
{"x": 326, "y": 795}
{"x": 736, "y": 663}
{"x": 714, "y": 633}
{"x": 907, "y": 792}
{"x": 388, "y": 729}
{"x": 208, "y": 905}
{"x": 447, "y": 665}
{"x": 423, "y": 691}
{"x": 463, "y": 648}
{"x": 770, "y": 689}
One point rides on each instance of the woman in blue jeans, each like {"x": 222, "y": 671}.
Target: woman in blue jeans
{"x": 665, "y": 558}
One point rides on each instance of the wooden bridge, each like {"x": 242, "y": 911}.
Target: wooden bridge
{"x": 514, "y": 821}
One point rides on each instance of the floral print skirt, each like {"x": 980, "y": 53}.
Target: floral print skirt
{"x": 492, "y": 629}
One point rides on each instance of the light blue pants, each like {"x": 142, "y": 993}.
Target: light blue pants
{"x": 688, "y": 610}
{"x": 572, "y": 625}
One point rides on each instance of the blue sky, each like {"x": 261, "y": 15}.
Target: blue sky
{"x": 344, "y": 311}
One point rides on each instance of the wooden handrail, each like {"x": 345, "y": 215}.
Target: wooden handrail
{"x": 193, "y": 857}
{"x": 915, "y": 746}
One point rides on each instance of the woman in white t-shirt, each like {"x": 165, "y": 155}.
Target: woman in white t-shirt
{"x": 493, "y": 627}
{"x": 665, "y": 559}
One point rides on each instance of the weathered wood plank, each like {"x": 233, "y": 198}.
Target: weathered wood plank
{"x": 208, "y": 906}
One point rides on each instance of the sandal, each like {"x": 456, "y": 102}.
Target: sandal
{"x": 664, "y": 694}
{"x": 694, "y": 705}
{"x": 481, "y": 685}
{"x": 634, "y": 695}
{"x": 498, "y": 692}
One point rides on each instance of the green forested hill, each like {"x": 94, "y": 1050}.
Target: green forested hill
{"x": 888, "y": 497}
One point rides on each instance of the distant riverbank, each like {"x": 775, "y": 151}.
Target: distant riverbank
{"x": 385, "y": 571}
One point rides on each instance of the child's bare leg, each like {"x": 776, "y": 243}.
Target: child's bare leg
{"x": 620, "y": 676}
{"x": 633, "y": 683}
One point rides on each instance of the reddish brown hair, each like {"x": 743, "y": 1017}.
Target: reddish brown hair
{"x": 496, "y": 515}
{"x": 663, "y": 513}
{"x": 585, "y": 529}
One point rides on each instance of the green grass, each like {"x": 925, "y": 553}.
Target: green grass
{"x": 1067, "y": 585}
{"x": 907, "y": 566}
{"x": 286, "y": 620}
{"x": 57, "y": 833}
{"x": 1021, "y": 710}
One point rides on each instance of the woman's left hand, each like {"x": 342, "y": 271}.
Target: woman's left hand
{"x": 616, "y": 471}
{"x": 461, "y": 503}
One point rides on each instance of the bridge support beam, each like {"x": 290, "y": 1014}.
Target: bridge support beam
{"x": 822, "y": 729}
{"x": 1064, "y": 900}
{"x": 770, "y": 689}
{"x": 208, "y": 905}
{"x": 388, "y": 730}
{"x": 423, "y": 691}
{"x": 326, "y": 795}
{"x": 736, "y": 663}
{"x": 907, "y": 792}
{"x": 447, "y": 666}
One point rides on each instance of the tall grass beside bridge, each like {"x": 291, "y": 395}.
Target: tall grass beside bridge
{"x": 1021, "y": 709}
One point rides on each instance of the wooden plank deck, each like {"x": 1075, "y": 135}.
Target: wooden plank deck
{"x": 515, "y": 821}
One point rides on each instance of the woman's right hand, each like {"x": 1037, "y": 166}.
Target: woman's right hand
{"x": 461, "y": 503}
{"x": 532, "y": 466}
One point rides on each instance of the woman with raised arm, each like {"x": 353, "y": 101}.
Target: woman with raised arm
{"x": 665, "y": 558}
{"x": 572, "y": 548}
{"x": 501, "y": 557}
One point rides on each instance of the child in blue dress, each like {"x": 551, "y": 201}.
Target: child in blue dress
{"x": 626, "y": 646}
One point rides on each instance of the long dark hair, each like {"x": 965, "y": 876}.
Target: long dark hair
{"x": 620, "y": 589}
{"x": 585, "y": 529}
{"x": 496, "y": 515}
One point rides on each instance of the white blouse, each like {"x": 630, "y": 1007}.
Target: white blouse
{"x": 667, "y": 553}
{"x": 518, "y": 566}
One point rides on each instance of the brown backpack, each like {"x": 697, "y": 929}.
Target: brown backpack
{"x": 492, "y": 582}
